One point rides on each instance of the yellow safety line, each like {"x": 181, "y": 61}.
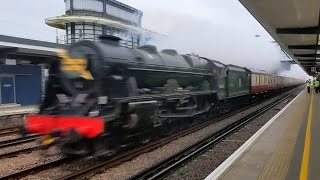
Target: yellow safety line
{"x": 305, "y": 159}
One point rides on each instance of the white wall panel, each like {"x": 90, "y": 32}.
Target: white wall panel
{"x": 67, "y": 4}
{"x": 91, "y": 5}
{"x": 122, "y": 14}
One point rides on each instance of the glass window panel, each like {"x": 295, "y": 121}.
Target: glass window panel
{"x": 78, "y": 27}
{"x": 88, "y": 36}
{"x": 115, "y": 33}
{"x": 108, "y": 32}
{"x": 78, "y": 31}
{"x": 88, "y": 26}
{"x": 88, "y": 31}
{"x": 98, "y": 28}
{"x": 98, "y": 32}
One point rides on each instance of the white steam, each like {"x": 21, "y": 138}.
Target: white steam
{"x": 221, "y": 30}
{"x": 228, "y": 44}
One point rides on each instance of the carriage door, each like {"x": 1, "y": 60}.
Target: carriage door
{"x": 7, "y": 90}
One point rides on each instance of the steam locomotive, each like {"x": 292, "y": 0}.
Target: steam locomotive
{"x": 101, "y": 96}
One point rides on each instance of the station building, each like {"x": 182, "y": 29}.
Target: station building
{"x": 22, "y": 66}
{"x": 23, "y": 62}
{"x": 89, "y": 19}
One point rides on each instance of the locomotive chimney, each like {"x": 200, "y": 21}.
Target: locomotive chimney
{"x": 114, "y": 40}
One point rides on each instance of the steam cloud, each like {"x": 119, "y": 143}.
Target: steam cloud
{"x": 230, "y": 44}
{"x": 221, "y": 30}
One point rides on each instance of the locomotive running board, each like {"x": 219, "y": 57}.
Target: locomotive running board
{"x": 162, "y": 96}
{"x": 184, "y": 115}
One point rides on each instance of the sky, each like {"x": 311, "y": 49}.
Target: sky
{"x": 221, "y": 30}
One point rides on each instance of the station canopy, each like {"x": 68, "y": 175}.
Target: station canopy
{"x": 294, "y": 24}
{"x": 27, "y": 51}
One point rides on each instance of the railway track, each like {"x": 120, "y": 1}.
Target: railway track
{"x": 172, "y": 163}
{"x": 118, "y": 159}
{"x": 18, "y": 141}
{"x": 130, "y": 155}
{"x": 39, "y": 168}
{"x": 22, "y": 151}
{"x": 9, "y": 131}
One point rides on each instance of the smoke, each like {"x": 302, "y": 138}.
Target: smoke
{"x": 227, "y": 43}
{"x": 220, "y": 30}
{"x": 285, "y": 66}
{"x": 282, "y": 67}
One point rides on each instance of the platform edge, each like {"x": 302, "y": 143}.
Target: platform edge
{"x": 221, "y": 169}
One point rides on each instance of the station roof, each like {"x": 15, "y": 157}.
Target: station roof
{"x": 294, "y": 24}
{"x": 27, "y": 49}
{"x": 60, "y": 23}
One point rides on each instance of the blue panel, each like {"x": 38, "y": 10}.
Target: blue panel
{"x": 27, "y": 82}
{"x": 7, "y": 90}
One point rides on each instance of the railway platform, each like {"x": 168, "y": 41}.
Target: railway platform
{"x": 8, "y": 110}
{"x": 11, "y": 115}
{"x": 287, "y": 147}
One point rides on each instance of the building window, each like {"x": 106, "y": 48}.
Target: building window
{"x": 87, "y": 27}
{"x": 98, "y": 28}
{"x": 92, "y": 32}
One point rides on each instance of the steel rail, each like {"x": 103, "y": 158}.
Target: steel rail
{"x": 149, "y": 147}
{"x": 120, "y": 158}
{"x": 172, "y": 163}
{"x": 39, "y": 168}
{"x": 17, "y": 141}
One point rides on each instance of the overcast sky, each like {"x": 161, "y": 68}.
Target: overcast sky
{"x": 217, "y": 29}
